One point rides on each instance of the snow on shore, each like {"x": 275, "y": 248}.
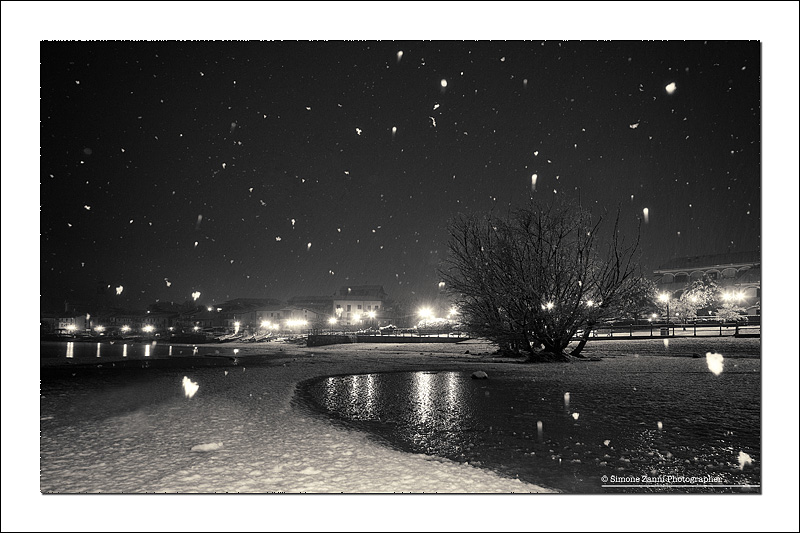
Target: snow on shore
{"x": 268, "y": 445}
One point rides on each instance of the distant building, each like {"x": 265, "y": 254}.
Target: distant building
{"x": 75, "y": 323}
{"x": 354, "y": 301}
{"x": 320, "y": 304}
{"x": 739, "y": 271}
{"x": 132, "y": 319}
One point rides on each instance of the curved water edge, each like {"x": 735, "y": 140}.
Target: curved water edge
{"x": 566, "y": 430}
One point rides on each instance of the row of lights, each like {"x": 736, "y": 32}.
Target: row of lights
{"x": 124, "y": 329}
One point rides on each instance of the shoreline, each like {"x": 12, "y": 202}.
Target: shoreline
{"x": 271, "y": 446}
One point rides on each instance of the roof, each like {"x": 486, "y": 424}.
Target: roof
{"x": 360, "y": 292}
{"x": 240, "y": 305}
{"x": 712, "y": 260}
{"x": 313, "y": 301}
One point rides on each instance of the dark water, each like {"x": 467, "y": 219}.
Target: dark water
{"x": 567, "y": 431}
{"x": 82, "y": 381}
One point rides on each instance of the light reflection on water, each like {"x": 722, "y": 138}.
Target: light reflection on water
{"x": 422, "y": 384}
{"x": 533, "y": 429}
{"x": 50, "y": 352}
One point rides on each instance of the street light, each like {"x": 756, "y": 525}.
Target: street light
{"x": 664, "y": 297}
{"x": 371, "y": 315}
{"x": 332, "y": 321}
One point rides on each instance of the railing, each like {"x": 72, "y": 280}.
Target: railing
{"x": 395, "y": 333}
{"x": 673, "y": 330}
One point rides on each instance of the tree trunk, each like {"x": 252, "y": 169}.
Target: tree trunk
{"x": 548, "y": 357}
{"x": 584, "y": 338}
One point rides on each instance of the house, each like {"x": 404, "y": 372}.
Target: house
{"x": 75, "y": 323}
{"x": 353, "y": 304}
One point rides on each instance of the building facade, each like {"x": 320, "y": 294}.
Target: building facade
{"x": 353, "y": 305}
{"x": 738, "y": 272}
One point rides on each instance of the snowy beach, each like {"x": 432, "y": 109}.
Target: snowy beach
{"x": 266, "y": 446}
{"x": 257, "y": 441}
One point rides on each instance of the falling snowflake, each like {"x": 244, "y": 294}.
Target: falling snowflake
{"x": 189, "y": 387}
{"x": 308, "y": 247}
{"x": 671, "y": 88}
{"x": 195, "y": 294}
{"x": 634, "y": 126}
{"x": 88, "y": 208}
{"x": 277, "y": 238}
{"x": 433, "y": 120}
{"x": 224, "y": 165}
{"x": 715, "y": 362}
{"x": 744, "y": 460}
{"x": 399, "y": 55}
{"x": 119, "y": 290}
{"x": 646, "y": 213}
{"x": 444, "y": 83}
{"x": 358, "y": 131}
{"x": 435, "y": 107}
{"x": 168, "y": 282}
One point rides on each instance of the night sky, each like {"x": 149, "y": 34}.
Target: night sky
{"x": 273, "y": 169}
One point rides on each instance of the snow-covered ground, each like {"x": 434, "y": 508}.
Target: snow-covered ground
{"x": 267, "y": 445}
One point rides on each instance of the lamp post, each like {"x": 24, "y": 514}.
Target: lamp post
{"x": 664, "y": 297}
{"x": 332, "y": 321}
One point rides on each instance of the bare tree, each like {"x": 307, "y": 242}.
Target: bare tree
{"x": 535, "y": 279}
